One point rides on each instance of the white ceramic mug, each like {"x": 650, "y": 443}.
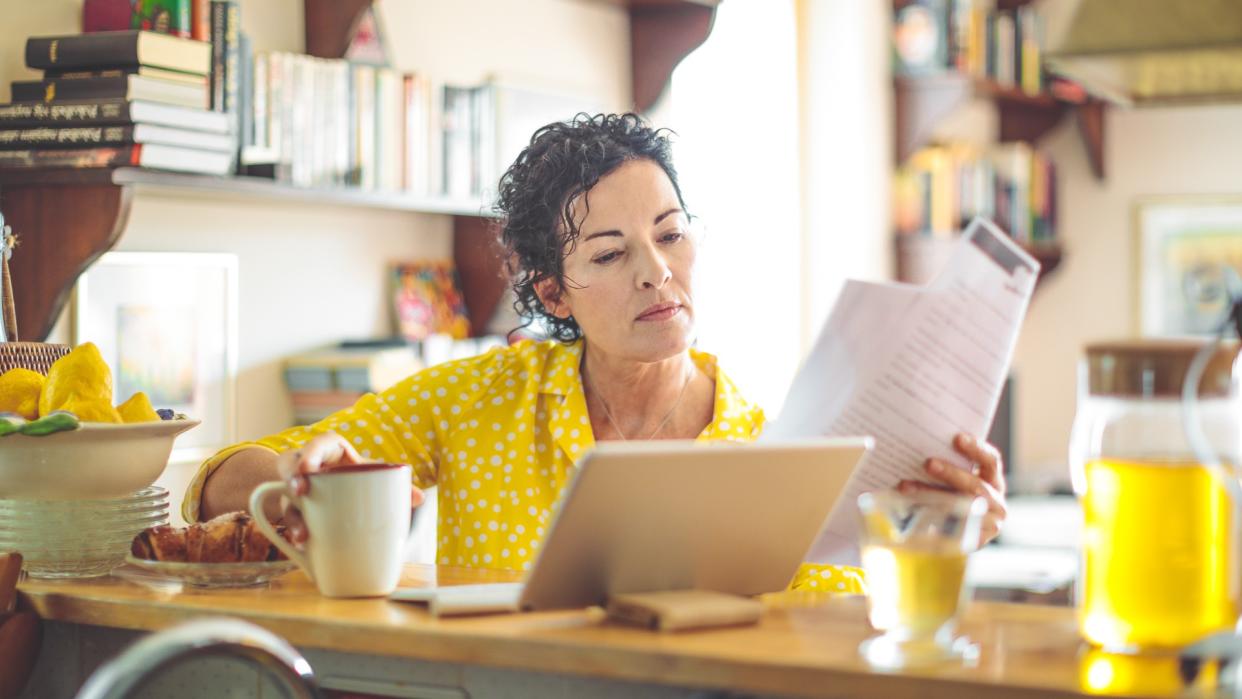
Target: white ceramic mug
{"x": 358, "y": 518}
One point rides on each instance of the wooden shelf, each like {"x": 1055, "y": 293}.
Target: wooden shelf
{"x": 66, "y": 219}
{"x": 144, "y": 181}
{"x": 920, "y": 257}
{"x": 923, "y": 101}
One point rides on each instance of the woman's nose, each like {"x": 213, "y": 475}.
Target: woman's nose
{"x": 653, "y": 272}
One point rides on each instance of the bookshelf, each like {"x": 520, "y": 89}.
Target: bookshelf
{"x": 67, "y": 219}
{"x": 923, "y": 100}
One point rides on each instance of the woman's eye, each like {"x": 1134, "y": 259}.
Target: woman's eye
{"x": 606, "y": 258}
{"x": 672, "y": 237}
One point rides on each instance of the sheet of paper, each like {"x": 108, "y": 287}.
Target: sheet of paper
{"x": 912, "y": 367}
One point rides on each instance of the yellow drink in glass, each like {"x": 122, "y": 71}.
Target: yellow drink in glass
{"x": 914, "y": 589}
{"x": 1158, "y": 550}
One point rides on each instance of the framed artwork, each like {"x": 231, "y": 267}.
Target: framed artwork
{"x": 1188, "y": 263}
{"x": 166, "y": 323}
{"x": 427, "y": 300}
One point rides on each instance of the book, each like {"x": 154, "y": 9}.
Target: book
{"x": 130, "y": 87}
{"x": 141, "y": 155}
{"x": 148, "y": 71}
{"x": 87, "y": 136}
{"x": 173, "y": 17}
{"x": 109, "y": 111}
{"x": 115, "y": 49}
{"x": 350, "y": 370}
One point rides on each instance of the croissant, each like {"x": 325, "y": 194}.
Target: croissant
{"x": 229, "y": 538}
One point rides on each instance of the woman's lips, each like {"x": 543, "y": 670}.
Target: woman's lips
{"x": 660, "y": 311}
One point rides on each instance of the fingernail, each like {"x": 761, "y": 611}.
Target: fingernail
{"x": 934, "y": 466}
{"x": 966, "y": 440}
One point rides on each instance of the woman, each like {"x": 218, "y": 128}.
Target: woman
{"x": 604, "y": 256}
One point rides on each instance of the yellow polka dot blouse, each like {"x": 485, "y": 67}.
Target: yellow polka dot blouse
{"x": 500, "y": 435}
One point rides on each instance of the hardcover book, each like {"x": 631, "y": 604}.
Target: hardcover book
{"x": 115, "y": 49}
{"x": 132, "y": 87}
{"x": 108, "y": 111}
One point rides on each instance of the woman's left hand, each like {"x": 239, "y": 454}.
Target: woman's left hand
{"x": 986, "y": 481}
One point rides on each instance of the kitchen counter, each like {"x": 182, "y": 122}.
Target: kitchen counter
{"x": 804, "y": 646}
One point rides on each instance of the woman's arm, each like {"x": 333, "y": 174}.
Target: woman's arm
{"x": 228, "y": 487}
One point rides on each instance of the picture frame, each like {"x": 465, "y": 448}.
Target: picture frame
{"x": 166, "y": 324}
{"x": 1187, "y": 263}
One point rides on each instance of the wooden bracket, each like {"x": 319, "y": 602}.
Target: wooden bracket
{"x": 1091, "y": 128}
{"x": 661, "y": 35}
{"x": 479, "y": 259}
{"x": 60, "y": 231}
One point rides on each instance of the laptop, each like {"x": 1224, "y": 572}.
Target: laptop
{"x": 672, "y": 515}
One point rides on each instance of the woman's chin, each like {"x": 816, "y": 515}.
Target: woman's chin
{"x": 658, "y": 342}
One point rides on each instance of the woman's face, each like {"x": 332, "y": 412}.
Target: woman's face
{"x": 628, "y": 279}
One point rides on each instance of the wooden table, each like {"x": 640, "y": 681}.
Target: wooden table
{"x": 805, "y": 645}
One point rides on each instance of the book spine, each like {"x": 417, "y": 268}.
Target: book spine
{"x": 200, "y": 20}
{"x": 232, "y": 57}
{"x": 245, "y": 95}
{"x": 74, "y": 89}
{"x": 219, "y": 10}
{"x": 259, "y": 100}
{"x": 70, "y": 158}
{"x": 22, "y": 114}
{"x": 82, "y": 51}
{"x": 181, "y": 21}
{"x": 70, "y": 137}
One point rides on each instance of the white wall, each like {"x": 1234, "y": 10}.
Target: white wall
{"x": 847, "y": 139}
{"x": 310, "y": 274}
{"x": 1187, "y": 150}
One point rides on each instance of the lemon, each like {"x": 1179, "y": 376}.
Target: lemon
{"x": 138, "y": 409}
{"x": 80, "y": 377}
{"x": 19, "y": 392}
{"x": 92, "y": 410}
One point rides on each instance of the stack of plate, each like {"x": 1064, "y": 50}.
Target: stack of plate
{"x": 78, "y": 538}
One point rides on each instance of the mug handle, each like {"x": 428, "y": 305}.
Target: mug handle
{"x": 260, "y": 495}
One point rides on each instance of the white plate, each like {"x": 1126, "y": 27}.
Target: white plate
{"x": 97, "y": 460}
{"x": 215, "y": 574}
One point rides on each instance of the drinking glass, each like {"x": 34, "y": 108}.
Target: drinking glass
{"x": 914, "y": 549}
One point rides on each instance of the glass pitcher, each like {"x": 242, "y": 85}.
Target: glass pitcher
{"x": 1160, "y": 566}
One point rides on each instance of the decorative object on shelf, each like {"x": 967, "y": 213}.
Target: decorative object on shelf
{"x": 345, "y": 29}
{"x": 167, "y": 323}
{"x": 165, "y": 16}
{"x": 8, "y": 241}
{"x": 921, "y": 37}
{"x": 1188, "y": 262}
{"x": 427, "y": 301}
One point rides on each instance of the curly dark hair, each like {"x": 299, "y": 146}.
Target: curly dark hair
{"x": 537, "y": 193}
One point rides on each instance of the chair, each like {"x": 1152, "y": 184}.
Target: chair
{"x": 127, "y": 672}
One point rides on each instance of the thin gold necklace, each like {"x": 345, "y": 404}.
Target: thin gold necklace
{"x": 613, "y": 422}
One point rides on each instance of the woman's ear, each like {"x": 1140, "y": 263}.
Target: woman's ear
{"x": 552, "y": 296}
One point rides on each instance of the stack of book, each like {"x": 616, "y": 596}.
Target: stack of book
{"x": 321, "y": 382}
{"x": 111, "y": 99}
{"x": 971, "y": 36}
{"x": 941, "y": 188}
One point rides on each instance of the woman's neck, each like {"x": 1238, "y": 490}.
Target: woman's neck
{"x": 630, "y": 399}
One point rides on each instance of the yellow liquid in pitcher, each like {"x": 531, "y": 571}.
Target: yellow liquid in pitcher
{"x": 1157, "y": 550}
{"x": 913, "y": 590}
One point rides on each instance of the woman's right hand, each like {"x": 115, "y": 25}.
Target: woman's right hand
{"x": 322, "y": 453}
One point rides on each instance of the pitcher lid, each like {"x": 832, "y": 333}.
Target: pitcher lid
{"x": 1153, "y": 368}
